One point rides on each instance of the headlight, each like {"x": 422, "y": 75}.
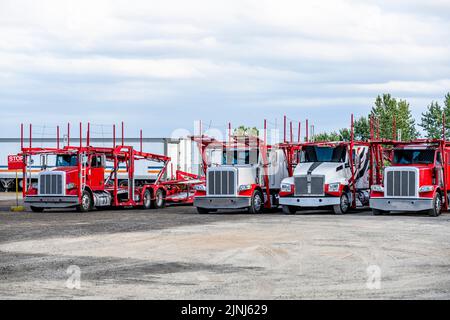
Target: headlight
{"x": 200, "y": 187}
{"x": 286, "y": 187}
{"x": 245, "y": 187}
{"x": 71, "y": 186}
{"x": 426, "y": 189}
{"x": 377, "y": 188}
{"x": 334, "y": 187}
{"x": 34, "y": 185}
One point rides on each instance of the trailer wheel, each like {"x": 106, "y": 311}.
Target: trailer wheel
{"x": 437, "y": 205}
{"x": 289, "y": 209}
{"x": 159, "y": 201}
{"x": 257, "y": 203}
{"x": 86, "y": 202}
{"x": 343, "y": 206}
{"x": 36, "y": 209}
{"x": 147, "y": 199}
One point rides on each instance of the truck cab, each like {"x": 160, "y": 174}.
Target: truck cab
{"x": 57, "y": 187}
{"x": 323, "y": 178}
{"x": 413, "y": 182}
{"x": 236, "y": 179}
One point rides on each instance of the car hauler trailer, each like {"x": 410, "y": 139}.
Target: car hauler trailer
{"x": 327, "y": 174}
{"x": 246, "y": 173}
{"x": 178, "y": 149}
{"x": 78, "y": 179}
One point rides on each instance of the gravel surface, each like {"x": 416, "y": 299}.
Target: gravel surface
{"x": 175, "y": 253}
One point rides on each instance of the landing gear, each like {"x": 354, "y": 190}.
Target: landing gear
{"x": 344, "y": 205}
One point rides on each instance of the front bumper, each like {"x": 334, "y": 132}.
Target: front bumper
{"x": 52, "y": 202}
{"x": 309, "y": 201}
{"x": 396, "y": 204}
{"x": 222, "y": 202}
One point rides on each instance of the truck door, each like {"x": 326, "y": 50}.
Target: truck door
{"x": 96, "y": 172}
{"x": 439, "y": 170}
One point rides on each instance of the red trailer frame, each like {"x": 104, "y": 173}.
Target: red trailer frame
{"x": 118, "y": 155}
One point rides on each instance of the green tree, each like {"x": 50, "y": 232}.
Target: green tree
{"x": 432, "y": 119}
{"x": 362, "y": 129}
{"x": 386, "y": 110}
{"x": 246, "y": 131}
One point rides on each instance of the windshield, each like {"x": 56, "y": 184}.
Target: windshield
{"x": 66, "y": 160}
{"x": 414, "y": 156}
{"x": 239, "y": 157}
{"x": 323, "y": 154}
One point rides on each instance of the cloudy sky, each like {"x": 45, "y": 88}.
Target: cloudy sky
{"x": 160, "y": 65}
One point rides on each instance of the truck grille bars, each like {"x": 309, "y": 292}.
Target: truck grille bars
{"x": 221, "y": 182}
{"x": 401, "y": 183}
{"x": 51, "y": 184}
{"x": 309, "y": 185}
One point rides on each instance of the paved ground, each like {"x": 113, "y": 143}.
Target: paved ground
{"x": 177, "y": 254}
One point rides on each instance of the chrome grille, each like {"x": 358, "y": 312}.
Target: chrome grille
{"x": 51, "y": 184}
{"x": 312, "y": 186}
{"x": 221, "y": 182}
{"x": 401, "y": 184}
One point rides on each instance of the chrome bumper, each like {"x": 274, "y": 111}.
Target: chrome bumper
{"x": 309, "y": 201}
{"x": 52, "y": 202}
{"x": 222, "y": 202}
{"x": 395, "y": 204}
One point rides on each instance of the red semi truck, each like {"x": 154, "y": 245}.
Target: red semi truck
{"x": 78, "y": 180}
{"x": 416, "y": 180}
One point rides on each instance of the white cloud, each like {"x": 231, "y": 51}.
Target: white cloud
{"x": 204, "y": 57}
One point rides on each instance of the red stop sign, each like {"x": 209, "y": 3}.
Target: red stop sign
{"x": 15, "y": 162}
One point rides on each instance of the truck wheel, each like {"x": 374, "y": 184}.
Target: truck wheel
{"x": 203, "y": 210}
{"x": 86, "y": 202}
{"x": 147, "y": 199}
{"x": 257, "y": 203}
{"x": 343, "y": 206}
{"x": 36, "y": 209}
{"x": 289, "y": 209}
{"x": 159, "y": 201}
{"x": 377, "y": 212}
{"x": 437, "y": 205}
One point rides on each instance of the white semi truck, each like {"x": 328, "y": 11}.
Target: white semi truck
{"x": 330, "y": 174}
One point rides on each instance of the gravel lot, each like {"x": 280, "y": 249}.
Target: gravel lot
{"x": 177, "y": 254}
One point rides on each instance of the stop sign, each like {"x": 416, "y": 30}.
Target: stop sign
{"x": 15, "y": 162}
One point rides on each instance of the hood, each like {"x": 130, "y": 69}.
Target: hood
{"x": 67, "y": 170}
{"x": 333, "y": 171}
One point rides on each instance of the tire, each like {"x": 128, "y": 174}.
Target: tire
{"x": 289, "y": 209}
{"x": 437, "y": 206}
{"x": 377, "y": 212}
{"x": 86, "y": 202}
{"x": 36, "y": 209}
{"x": 343, "y": 206}
{"x": 257, "y": 203}
{"x": 203, "y": 210}
{"x": 159, "y": 201}
{"x": 147, "y": 199}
